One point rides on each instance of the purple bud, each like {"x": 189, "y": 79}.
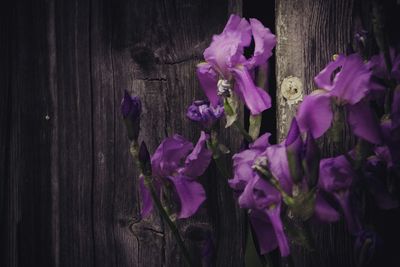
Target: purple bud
{"x": 144, "y": 158}
{"x": 131, "y": 108}
{"x": 294, "y": 151}
{"x": 311, "y": 160}
{"x": 203, "y": 113}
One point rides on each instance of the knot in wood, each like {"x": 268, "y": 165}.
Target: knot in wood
{"x": 292, "y": 90}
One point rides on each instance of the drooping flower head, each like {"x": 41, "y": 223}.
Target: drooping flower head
{"x": 177, "y": 162}
{"x": 227, "y": 68}
{"x": 346, "y": 83}
{"x": 204, "y": 113}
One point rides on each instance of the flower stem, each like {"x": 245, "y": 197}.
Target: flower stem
{"x": 164, "y": 215}
{"x": 134, "y": 150}
{"x": 243, "y": 131}
{"x": 218, "y": 158}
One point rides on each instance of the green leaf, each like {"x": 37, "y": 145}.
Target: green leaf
{"x": 231, "y": 105}
{"x": 254, "y": 126}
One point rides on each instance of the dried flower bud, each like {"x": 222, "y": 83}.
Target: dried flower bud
{"x": 131, "y": 109}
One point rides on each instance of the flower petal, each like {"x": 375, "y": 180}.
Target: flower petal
{"x": 256, "y": 99}
{"x": 352, "y": 83}
{"x": 208, "y": 79}
{"x": 264, "y": 232}
{"x": 191, "y": 195}
{"x": 239, "y": 25}
{"x": 169, "y": 154}
{"x": 324, "y": 79}
{"x": 274, "y": 215}
{"x": 325, "y": 212}
{"x": 197, "y": 162}
{"x": 264, "y": 41}
{"x": 364, "y": 122}
{"x": 315, "y": 114}
{"x": 278, "y": 165}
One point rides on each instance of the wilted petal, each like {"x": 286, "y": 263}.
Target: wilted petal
{"x": 145, "y": 197}
{"x": 324, "y": 79}
{"x": 315, "y": 114}
{"x": 264, "y": 43}
{"x": 167, "y": 157}
{"x": 324, "y": 212}
{"x": 264, "y": 232}
{"x": 256, "y": 99}
{"x": 352, "y": 83}
{"x": 208, "y": 79}
{"x": 191, "y": 195}
{"x": 364, "y": 123}
{"x": 197, "y": 162}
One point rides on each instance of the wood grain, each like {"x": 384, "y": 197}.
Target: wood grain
{"x": 68, "y": 188}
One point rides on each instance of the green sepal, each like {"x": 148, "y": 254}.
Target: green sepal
{"x": 254, "y": 126}
{"x": 231, "y": 105}
{"x": 303, "y": 205}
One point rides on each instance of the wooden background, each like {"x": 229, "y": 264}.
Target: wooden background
{"x": 67, "y": 187}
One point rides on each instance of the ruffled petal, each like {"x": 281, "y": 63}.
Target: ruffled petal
{"x": 324, "y": 79}
{"x": 241, "y": 26}
{"x": 208, "y": 79}
{"x": 169, "y": 154}
{"x": 352, "y": 83}
{"x": 256, "y": 99}
{"x": 191, "y": 195}
{"x": 315, "y": 114}
{"x": 364, "y": 123}
{"x": 264, "y": 41}
{"x": 197, "y": 162}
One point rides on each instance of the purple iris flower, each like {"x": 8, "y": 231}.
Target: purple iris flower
{"x": 263, "y": 200}
{"x": 226, "y": 65}
{"x": 346, "y": 81}
{"x": 204, "y": 114}
{"x": 336, "y": 177}
{"x": 378, "y": 66}
{"x": 178, "y": 162}
{"x": 131, "y": 108}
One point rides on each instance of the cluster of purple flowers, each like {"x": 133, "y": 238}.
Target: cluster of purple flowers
{"x": 276, "y": 182}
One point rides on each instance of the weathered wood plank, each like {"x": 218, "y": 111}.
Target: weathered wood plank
{"x": 309, "y": 34}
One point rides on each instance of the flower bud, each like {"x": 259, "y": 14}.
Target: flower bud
{"x": 144, "y": 159}
{"x": 131, "y": 109}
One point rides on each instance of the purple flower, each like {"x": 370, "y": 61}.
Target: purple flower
{"x": 131, "y": 109}
{"x": 204, "y": 114}
{"x": 348, "y": 89}
{"x": 225, "y": 63}
{"x": 379, "y": 69}
{"x": 176, "y": 161}
{"x": 336, "y": 177}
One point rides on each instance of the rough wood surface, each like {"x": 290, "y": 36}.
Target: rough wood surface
{"x": 309, "y": 33}
{"x": 67, "y": 187}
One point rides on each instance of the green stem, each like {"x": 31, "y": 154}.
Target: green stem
{"x": 266, "y": 175}
{"x": 164, "y": 215}
{"x": 218, "y": 158}
{"x": 243, "y": 131}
